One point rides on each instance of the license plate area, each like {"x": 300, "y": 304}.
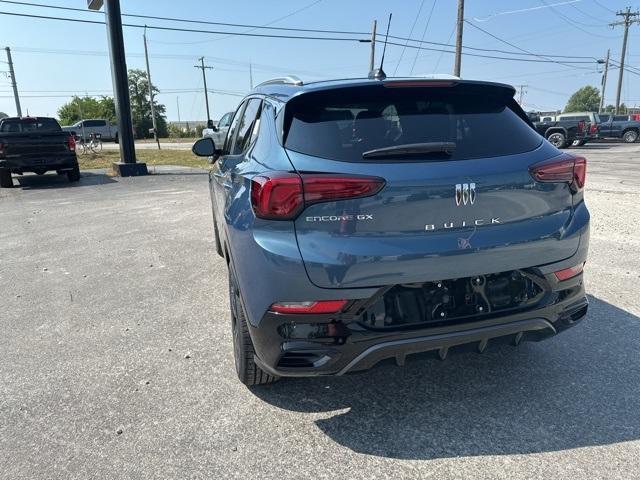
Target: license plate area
{"x": 449, "y": 301}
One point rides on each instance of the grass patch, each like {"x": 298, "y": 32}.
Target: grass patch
{"x": 105, "y": 158}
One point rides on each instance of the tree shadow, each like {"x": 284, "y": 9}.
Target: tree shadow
{"x": 581, "y": 388}
{"x": 51, "y": 181}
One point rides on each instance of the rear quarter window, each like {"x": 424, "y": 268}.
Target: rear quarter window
{"x": 342, "y": 124}
{"x": 30, "y": 124}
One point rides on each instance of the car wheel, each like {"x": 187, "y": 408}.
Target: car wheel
{"x": 74, "y": 175}
{"x": 5, "y": 178}
{"x": 248, "y": 372}
{"x": 116, "y": 139}
{"x": 630, "y": 136}
{"x": 558, "y": 140}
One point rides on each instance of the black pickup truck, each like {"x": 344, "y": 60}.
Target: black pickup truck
{"x": 38, "y": 145}
{"x": 560, "y": 133}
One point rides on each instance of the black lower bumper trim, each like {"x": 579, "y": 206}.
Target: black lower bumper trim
{"x": 529, "y": 329}
{"x": 375, "y": 353}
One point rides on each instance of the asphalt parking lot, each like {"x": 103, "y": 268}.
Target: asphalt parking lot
{"x": 117, "y": 363}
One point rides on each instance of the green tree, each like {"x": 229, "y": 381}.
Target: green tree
{"x": 612, "y": 108}
{"x": 140, "y": 107}
{"x": 586, "y": 99}
{"x": 87, "y": 107}
{"x": 3, "y": 115}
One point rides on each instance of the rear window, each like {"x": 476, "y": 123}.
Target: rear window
{"x": 342, "y": 124}
{"x": 29, "y": 125}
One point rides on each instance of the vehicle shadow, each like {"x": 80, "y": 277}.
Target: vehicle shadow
{"x": 579, "y": 389}
{"x": 51, "y": 180}
{"x": 598, "y": 146}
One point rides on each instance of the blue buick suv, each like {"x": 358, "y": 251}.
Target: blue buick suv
{"x": 366, "y": 220}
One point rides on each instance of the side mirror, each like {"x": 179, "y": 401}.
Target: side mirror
{"x": 205, "y": 148}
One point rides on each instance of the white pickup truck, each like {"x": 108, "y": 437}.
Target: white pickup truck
{"x": 84, "y": 129}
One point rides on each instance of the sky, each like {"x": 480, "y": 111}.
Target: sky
{"x": 54, "y": 60}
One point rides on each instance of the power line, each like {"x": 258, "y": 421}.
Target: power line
{"x": 602, "y": 6}
{"x": 572, "y": 23}
{"x": 188, "y": 30}
{"x": 413, "y": 25}
{"x": 519, "y": 48}
{"x": 424, "y": 32}
{"x": 254, "y": 27}
{"x": 201, "y": 22}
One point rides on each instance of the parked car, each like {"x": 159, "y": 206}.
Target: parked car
{"x": 220, "y": 132}
{"x": 85, "y": 128}
{"x": 38, "y": 145}
{"x": 619, "y": 126}
{"x": 561, "y": 133}
{"x": 592, "y": 121}
{"x": 370, "y": 219}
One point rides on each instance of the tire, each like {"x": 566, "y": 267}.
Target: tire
{"x": 557, "y": 139}
{"x": 74, "y": 175}
{"x": 116, "y": 139}
{"x": 5, "y": 178}
{"x": 578, "y": 143}
{"x": 630, "y": 136}
{"x": 243, "y": 353}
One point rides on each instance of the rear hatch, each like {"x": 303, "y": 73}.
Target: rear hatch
{"x": 458, "y": 198}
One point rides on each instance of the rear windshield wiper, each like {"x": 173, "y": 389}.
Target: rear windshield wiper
{"x": 411, "y": 149}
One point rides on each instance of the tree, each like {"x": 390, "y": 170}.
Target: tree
{"x": 3, "y": 115}
{"x": 140, "y": 107}
{"x": 586, "y": 99}
{"x": 80, "y": 108}
{"x": 612, "y": 108}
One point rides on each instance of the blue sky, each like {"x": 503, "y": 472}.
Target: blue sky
{"x": 54, "y": 60}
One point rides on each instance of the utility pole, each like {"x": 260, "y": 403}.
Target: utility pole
{"x": 251, "y": 76}
{"x": 153, "y": 111}
{"x": 13, "y": 82}
{"x": 178, "y": 105}
{"x": 629, "y": 19}
{"x": 372, "y": 58}
{"x": 204, "y": 67}
{"x": 604, "y": 82}
{"x": 521, "y": 92}
{"x": 460, "y": 23}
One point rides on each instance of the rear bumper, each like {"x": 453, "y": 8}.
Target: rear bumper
{"x": 326, "y": 345}
{"x": 43, "y": 163}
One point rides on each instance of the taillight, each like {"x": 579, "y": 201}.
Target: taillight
{"x": 568, "y": 273}
{"x": 317, "y": 307}
{"x": 282, "y": 196}
{"x": 594, "y": 128}
{"x": 563, "y": 169}
{"x": 71, "y": 143}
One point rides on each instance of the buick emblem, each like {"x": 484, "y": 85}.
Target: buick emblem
{"x": 465, "y": 193}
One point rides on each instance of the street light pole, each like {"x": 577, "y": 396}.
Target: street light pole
{"x": 127, "y": 166}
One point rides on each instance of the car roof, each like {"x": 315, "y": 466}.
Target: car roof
{"x": 286, "y": 88}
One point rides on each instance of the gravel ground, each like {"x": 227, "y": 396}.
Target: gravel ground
{"x": 116, "y": 357}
